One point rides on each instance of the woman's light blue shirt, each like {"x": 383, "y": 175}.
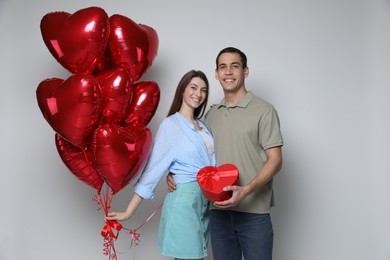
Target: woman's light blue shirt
{"x": 177, "y": 148}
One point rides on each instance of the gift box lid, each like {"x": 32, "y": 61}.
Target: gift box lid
{"x": 212, "y": 180}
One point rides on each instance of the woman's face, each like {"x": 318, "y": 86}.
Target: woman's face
{"x": 195, "y": 93}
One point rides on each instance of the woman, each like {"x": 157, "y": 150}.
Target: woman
{"x": 182, "y": 146}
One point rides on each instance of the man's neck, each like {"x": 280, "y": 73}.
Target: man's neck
{"x": 232, "y": 98}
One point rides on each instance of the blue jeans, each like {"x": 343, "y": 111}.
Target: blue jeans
{"x": 235, "y": 234}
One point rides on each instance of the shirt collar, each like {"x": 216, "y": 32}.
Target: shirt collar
{"x": 242, "y": 103}
{"x": 186, "y": 122}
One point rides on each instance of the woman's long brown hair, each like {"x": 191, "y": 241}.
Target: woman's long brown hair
{"x": 178, "y": 98}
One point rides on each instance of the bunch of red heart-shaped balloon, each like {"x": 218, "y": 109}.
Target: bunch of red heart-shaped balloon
{"x": 100, "y": 113}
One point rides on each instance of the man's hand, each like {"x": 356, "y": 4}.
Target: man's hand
{"x": 170, "y": 182}
{"x": 238, "y": 194}
{"x": 265, "y": 174}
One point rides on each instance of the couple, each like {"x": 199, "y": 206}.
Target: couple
{"x": 244, "y": 130}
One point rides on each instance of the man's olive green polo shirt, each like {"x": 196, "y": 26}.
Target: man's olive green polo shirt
{"x": 241, "y": 135}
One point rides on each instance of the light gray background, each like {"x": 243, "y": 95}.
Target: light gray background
{"x": 323, "y": 64}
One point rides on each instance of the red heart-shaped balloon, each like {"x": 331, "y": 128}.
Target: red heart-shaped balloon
{"x": 153, "y": 43}
{"x": 212, "y": 180}
{"x": 116, "y": 91}
{"x": 144, "y": 103}
{"x": 77, "y": 41}
{"x": 131, "y": 45}
{"x": 120, "y": 153}
{"x": 71, "y": 107}
{"x": 79, "y": 162}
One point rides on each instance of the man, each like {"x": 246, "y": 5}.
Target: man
{"x": 247, "y": 134}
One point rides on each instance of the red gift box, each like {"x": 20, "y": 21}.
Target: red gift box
{"x": 212, "y": 180}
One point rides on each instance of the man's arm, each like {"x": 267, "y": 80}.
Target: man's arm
{"x": 170, "y": 182}
{"x": 265, "y": 174}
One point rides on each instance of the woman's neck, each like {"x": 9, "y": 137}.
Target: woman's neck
{"x": 189, "y": 115}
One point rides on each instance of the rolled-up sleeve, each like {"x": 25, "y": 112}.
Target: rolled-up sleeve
{"x": 158, "y": 163}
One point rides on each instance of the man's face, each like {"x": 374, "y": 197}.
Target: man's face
{"x": 230, "y": 73}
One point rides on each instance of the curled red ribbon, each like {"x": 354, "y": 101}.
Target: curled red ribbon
{"x": 107, "y": 229}
{"x": 109, "y": 237}
{"x": 135, "y": 236}
{"x": 110, "y": 231}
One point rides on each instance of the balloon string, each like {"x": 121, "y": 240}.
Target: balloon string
{"x": 135, "y": 235}
{"x": 107, "y": 232}
{"x": 151, "y": 216}
{"x": 108, "y": 199}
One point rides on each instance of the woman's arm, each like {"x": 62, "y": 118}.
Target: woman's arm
{"x": 133, "y": 205}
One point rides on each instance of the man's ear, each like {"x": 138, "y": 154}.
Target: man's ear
{"x": 246, "y": 72}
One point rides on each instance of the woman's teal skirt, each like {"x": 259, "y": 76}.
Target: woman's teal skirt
{"x": 183, "y": 231}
